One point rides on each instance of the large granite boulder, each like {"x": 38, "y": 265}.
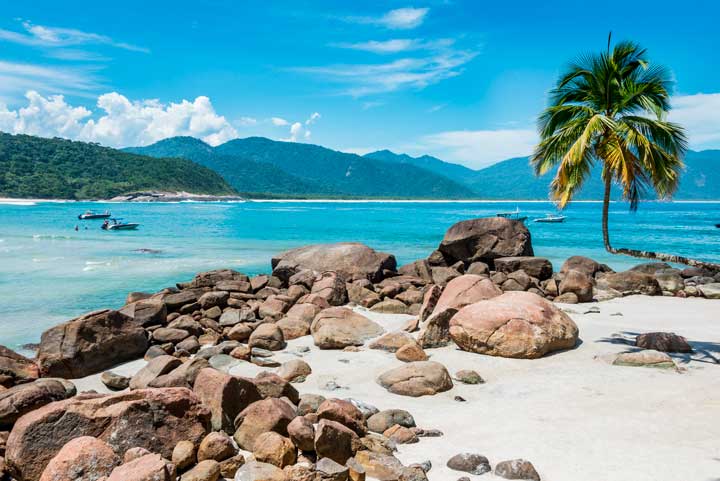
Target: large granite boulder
{"x": 150, "y": 467}
{"x": 537, "y": 267}
{"x": 154, "y": 419}
{"x": 421, "y": 378}
{"x": 213, "y": 278}
{"x": 90, "y": 344}
{"x": 15, "y": 368}
{"x": 23, "y": 398}
{"x": 146, "y": 312}
{"x": 339, "y": 327}
{"x": 630, "y": 282}
{"x": 515, "y": 324}
{"x": 270, "y": 414}
{"x": 578, "y": 283}
{"x": 485, "y": 239}
{"x": 82, "y": 459}
{"x": 226, "y": 396}
{"x": 352, "y": 260}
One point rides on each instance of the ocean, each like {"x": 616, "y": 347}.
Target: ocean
{"x": 50, "y": 273}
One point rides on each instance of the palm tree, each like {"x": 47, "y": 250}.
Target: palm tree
{"x": 610, "y": 108}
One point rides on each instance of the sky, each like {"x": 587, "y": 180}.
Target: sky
{"x": 460, "y": 80}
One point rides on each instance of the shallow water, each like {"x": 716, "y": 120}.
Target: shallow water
{"x": 50, "y": 273}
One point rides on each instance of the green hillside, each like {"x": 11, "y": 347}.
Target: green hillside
{"x": 260, "y": 165}
{"x": 55, "y": 168}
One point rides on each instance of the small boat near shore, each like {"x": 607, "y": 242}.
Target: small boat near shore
{"x": 515, "y": 215}
{"x": 551, "y": 219}
{"x": 117, "y": 224}
{"x": 89, "y": 214}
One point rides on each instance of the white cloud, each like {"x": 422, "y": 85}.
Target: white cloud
{"x": 301, "y": 130}
{"x": 313, "y": 117}
{"x": 247, "y": 121}
{"x": 279, "y": 122}
{"x": 44, "y": 36}
{"x": 414, "y": 73}
{"x": 700, "y": 115}
{"x": 476, "y": 148}
{"x": 119, "y": 122}
{"x": 397, "y": 45}
{"x": 398, "y": 19}
{"x": 17, "y": 78}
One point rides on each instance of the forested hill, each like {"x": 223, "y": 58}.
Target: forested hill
{"x": 34, "y": 167}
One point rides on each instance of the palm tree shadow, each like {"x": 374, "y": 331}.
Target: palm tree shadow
{"x": 703, "y": 351}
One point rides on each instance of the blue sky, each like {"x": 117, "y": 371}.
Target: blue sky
{"x": 462, "y": 80}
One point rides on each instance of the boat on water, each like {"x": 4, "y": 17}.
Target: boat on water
{"x": 551, "y": 219}
{"x": 515, "y": 215}
{"x": 89, "y": 214}
{"x": 117, "y": 224}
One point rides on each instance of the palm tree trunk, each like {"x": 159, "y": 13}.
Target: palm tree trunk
{"x": 658, "y": 256}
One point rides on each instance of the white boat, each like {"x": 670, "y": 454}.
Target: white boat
{"x": 512, "y": 215}
{"x": 117, "y": 224}
{"x": 551, "y": 219}
{"x": 89, "y": 214}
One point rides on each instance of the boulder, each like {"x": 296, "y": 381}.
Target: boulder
{"x": 225, "y": 396}
{"x": 267, "y": 336}
{"x": 537, "y": 267}
{"x": 174, "y": 301}
{"x": 155, "y": 419}
{"x": 24, "y": 398}
{"x": 711, "y": 290}
{"x": 184, "y": 455}
{"x": 390, "y": 306}
{"x": 274, "y": 307}
{"x": 645, "y": 358}
{"x": 384, "y": 420}
{"x": 90, "y": 344}
{"x": 183, "y": 376}
{"x": 630, "y": 282}
{"x": 585, "y": 265}
{"x": 515, "y": 324}
{"x": 273, "y": 386}
{"x": 275, "y": 449}
{"x": 670, "y": 280}
{"x": 260, "y": 417}
{"x": 114, "y": 381}
{"x": 339, "y": 327}
{"x": 296, "y": 322}
{"x": 335, "y": 441}
{"x": 146, "y": 312}
{"x": 302, "y": 433}
{"x": 213, "y": 278}
{"x": 420, "y": 268}
{"x": 352, "y": 260}
{"x": 255, "y": 471}
{"x": 410, "y": 353}
{"x": 430, "y": 300}
{"x": 485, "y": 239}
{"x": 331, "y": 287}
{"x": 651, "y": 267}
{"x": 578, "y": 283}
{"x": 663, "y": 342}
{"x": 207, "y": 470}
{"x": 442, "y": 275}
{"x": 517, "y": 469}
{"x": 216, "y": 446}
{"x": 15, "y": 368}
{"x": 151, "y": 467}
{"x": 82, "y": 459}
{"x": 309, "y": 403}
{"x": 328, "y": 470}
{"x": 294, "y": 369}
{"x": 153, "y": 369}
{"x": 468, "y": 376}
{"x": 469, "y": 463}
{"x": 422, "y": 378}
{"x": 343, "y": 412}
{"x": 465, "y": 290}
{"x": 392, "y": 341}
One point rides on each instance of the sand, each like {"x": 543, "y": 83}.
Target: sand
{"x": 573, "y": 414}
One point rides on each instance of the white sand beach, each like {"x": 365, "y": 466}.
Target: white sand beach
{"x": 573, "y": 414}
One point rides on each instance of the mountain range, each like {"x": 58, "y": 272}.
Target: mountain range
{"x": 257, "y": 166}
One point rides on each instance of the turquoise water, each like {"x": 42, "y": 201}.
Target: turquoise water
{"x": 50, "y": 273}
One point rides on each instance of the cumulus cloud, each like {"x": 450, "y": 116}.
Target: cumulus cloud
{"x": 700, "y": 115}
{"x": 301, "y": 130}
{"x": 119, "y": 122}
{"x": 398, "y": 19}
{"x": 477, "y": 148}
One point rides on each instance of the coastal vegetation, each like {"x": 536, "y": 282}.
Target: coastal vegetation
{"x": 34, "y": 167}
{"x": 611, "y": 109}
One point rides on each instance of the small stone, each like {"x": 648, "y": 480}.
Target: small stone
{"x": 113, "y": 381}
{"x": 468, "y": 376}
{"x": 207, "y": 470}
{"x": 275, "y": 449}
{"x": 517, "y": 469}
{"x": 460, "y": 399}
{"x": 183, "y": 455}
{"x": 216, "y": 446}
{"x": 469, "y": 463}
{"x": 229, "y": 467}
{"x": 411, "y": 352}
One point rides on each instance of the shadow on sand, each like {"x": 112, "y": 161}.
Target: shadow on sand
{"x": 703, "y": 351}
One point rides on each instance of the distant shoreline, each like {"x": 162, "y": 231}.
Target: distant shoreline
{"x": 238, "y": 200}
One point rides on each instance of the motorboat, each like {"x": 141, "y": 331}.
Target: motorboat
{"x": 89, "y": 214}
{"x": 551, "y": 219}
{"x": 117, "y": 224}
{"x": 512, "y": 215}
